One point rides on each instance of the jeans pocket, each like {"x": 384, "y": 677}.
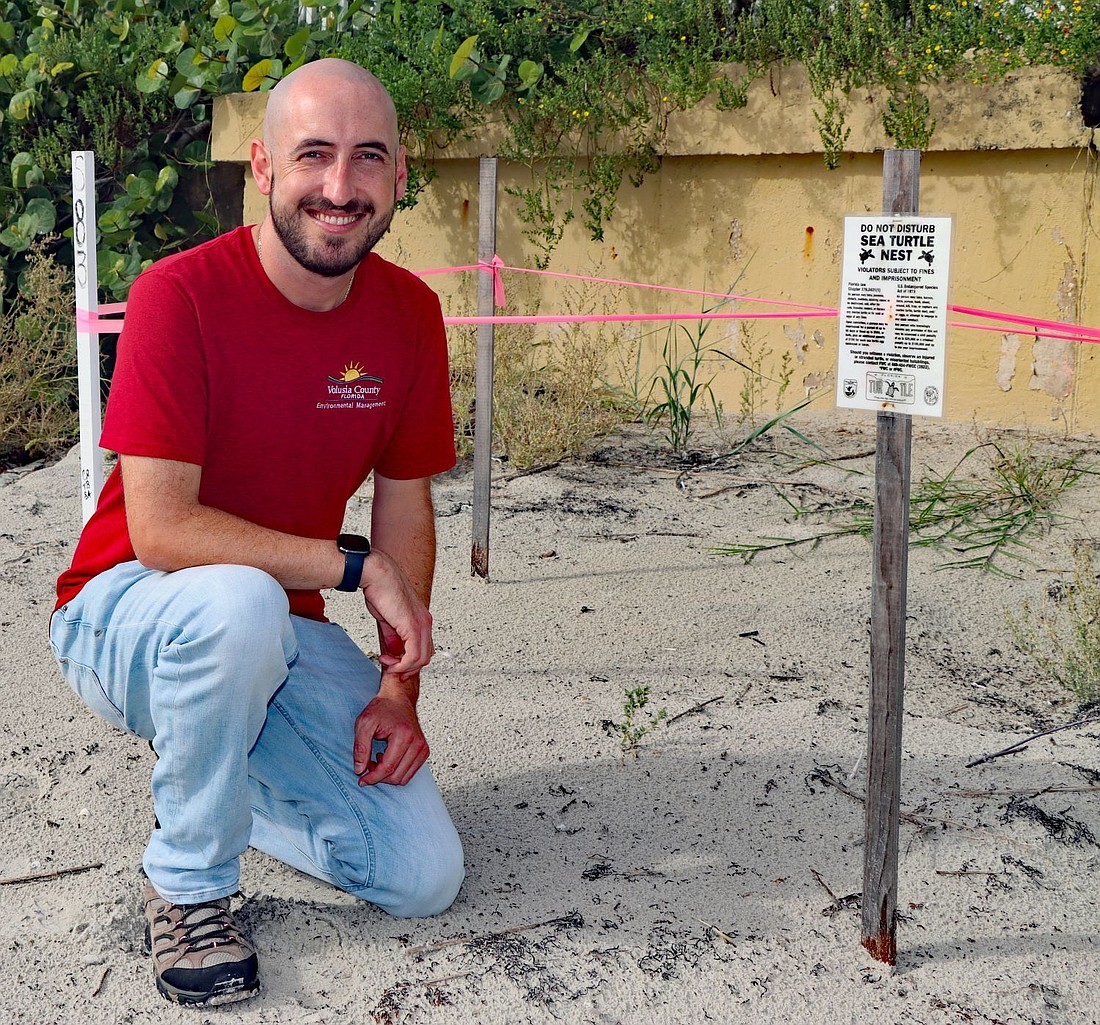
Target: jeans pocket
{"x": 83, "y": 679}
{"x": 68, "y": 637}
{"x": 85, "y": 682}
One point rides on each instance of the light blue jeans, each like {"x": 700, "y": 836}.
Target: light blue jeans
{"x": 251, "y": 712}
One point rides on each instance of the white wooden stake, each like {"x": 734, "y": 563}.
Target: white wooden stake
{"x": 87, "y": 340}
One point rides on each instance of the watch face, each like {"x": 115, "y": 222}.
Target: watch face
{"x": 355, "y": 543}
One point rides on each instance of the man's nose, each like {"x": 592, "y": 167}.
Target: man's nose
{"x": 338, "y": 188}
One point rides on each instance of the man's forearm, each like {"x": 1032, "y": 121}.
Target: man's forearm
{"x": 170, "y": 529}
{"x": 403, "y": 526}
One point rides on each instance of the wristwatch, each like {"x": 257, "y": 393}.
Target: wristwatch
{"x": 356, "y": 548}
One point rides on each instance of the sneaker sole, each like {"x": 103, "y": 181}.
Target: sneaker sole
{"x": 227, "y": 991}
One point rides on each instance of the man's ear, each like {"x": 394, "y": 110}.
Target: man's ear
{"x": 401, "y": 177}
{"x": 262, "y": 173}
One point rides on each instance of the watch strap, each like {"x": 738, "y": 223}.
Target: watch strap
{"x": 353, "y": 571}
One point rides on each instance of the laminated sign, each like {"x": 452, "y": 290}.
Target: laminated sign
{"x": 893, "y": 313}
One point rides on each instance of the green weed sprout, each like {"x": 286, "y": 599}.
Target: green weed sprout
{"x": 630, "y": 730}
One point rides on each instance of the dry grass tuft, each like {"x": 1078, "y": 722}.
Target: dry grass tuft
{"x": 549, "y": 395}
{"x": 38, "y": 387}
{"x": 1061, "y": 633}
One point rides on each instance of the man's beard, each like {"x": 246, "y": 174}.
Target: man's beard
{"x": 330, "y": 257}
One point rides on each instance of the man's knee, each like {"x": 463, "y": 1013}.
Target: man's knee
{"x": 433, "y": 877}
{"x": 240, "y": 599}
{"x": 242, "y": 610}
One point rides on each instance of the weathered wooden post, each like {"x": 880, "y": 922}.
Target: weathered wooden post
{"x": 483, "y": 385}
{"x": 900, "y": 195}
{"x": 87, "y": 337}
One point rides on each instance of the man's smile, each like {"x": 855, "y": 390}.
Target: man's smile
{"x": 339, "y": 220}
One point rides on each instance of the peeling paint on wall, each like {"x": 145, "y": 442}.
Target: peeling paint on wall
{"x": 1052, "y": 371}
{"x": 819, "y": 340}
{"x": 812, "y": 382}
{"x": 1066, "y": 296}
{"x": 1006, "y": 368}
{"x": 797, "y": 335}
{"x": 736, "y": 249}
{"x": 1053, "y": 359}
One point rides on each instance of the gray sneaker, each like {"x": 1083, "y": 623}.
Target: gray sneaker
{"x": 199, "y": 954}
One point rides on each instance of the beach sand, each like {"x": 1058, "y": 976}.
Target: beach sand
{"x": 710, "y": 874}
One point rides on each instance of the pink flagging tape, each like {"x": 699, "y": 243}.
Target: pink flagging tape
{"x": 447, "y": 270}
{"x": 97, "y": 323}
{"x": 1091, "y": 333}
{"x": 1038, "y": 327}
{"x": 617, "y": 318}
{"x": 1000, "y": 330}
{"x": 495, "y": 266}
{"x": 729, "y": 297}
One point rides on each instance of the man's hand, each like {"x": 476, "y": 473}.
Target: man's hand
{"x": 391, "y": 717}
{"x": 404, "y": 622}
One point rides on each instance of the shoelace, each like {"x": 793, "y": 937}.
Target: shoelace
{"x": 202, "y": 927}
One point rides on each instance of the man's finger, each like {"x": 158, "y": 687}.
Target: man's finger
{"x": 396, "y": 765}
{"x": 413, "y": 658}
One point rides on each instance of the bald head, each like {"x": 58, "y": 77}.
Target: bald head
{"x": 332, "y": 166}
{"x": 329, "y": 83}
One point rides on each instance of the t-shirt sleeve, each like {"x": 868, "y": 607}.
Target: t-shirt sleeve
{"x": 423, "y": 442}
{"x": 157, "y": 406}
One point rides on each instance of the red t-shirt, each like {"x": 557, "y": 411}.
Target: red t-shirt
{"x": 286, "y": 410}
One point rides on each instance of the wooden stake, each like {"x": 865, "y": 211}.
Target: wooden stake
{"x": 900, "y": 195}
{"x": 87, "y": 340}
{"x": 483, "y": 385}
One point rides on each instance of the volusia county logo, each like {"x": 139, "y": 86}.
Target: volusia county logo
{"x": 353, "y": 389}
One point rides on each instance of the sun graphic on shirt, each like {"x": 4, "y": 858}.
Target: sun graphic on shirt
{"x": 352, "y": 372}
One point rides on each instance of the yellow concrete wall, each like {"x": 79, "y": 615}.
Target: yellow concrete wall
{"x": 743, "y": 201}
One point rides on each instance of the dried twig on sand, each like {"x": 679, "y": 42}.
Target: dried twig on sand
{"x": 1013, "y": 748}
{"x": 918, "y": 819}
{"x": 694, "y": 708}
{"x": 1058, "y": 788}
{"x": 55, "y": 874}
